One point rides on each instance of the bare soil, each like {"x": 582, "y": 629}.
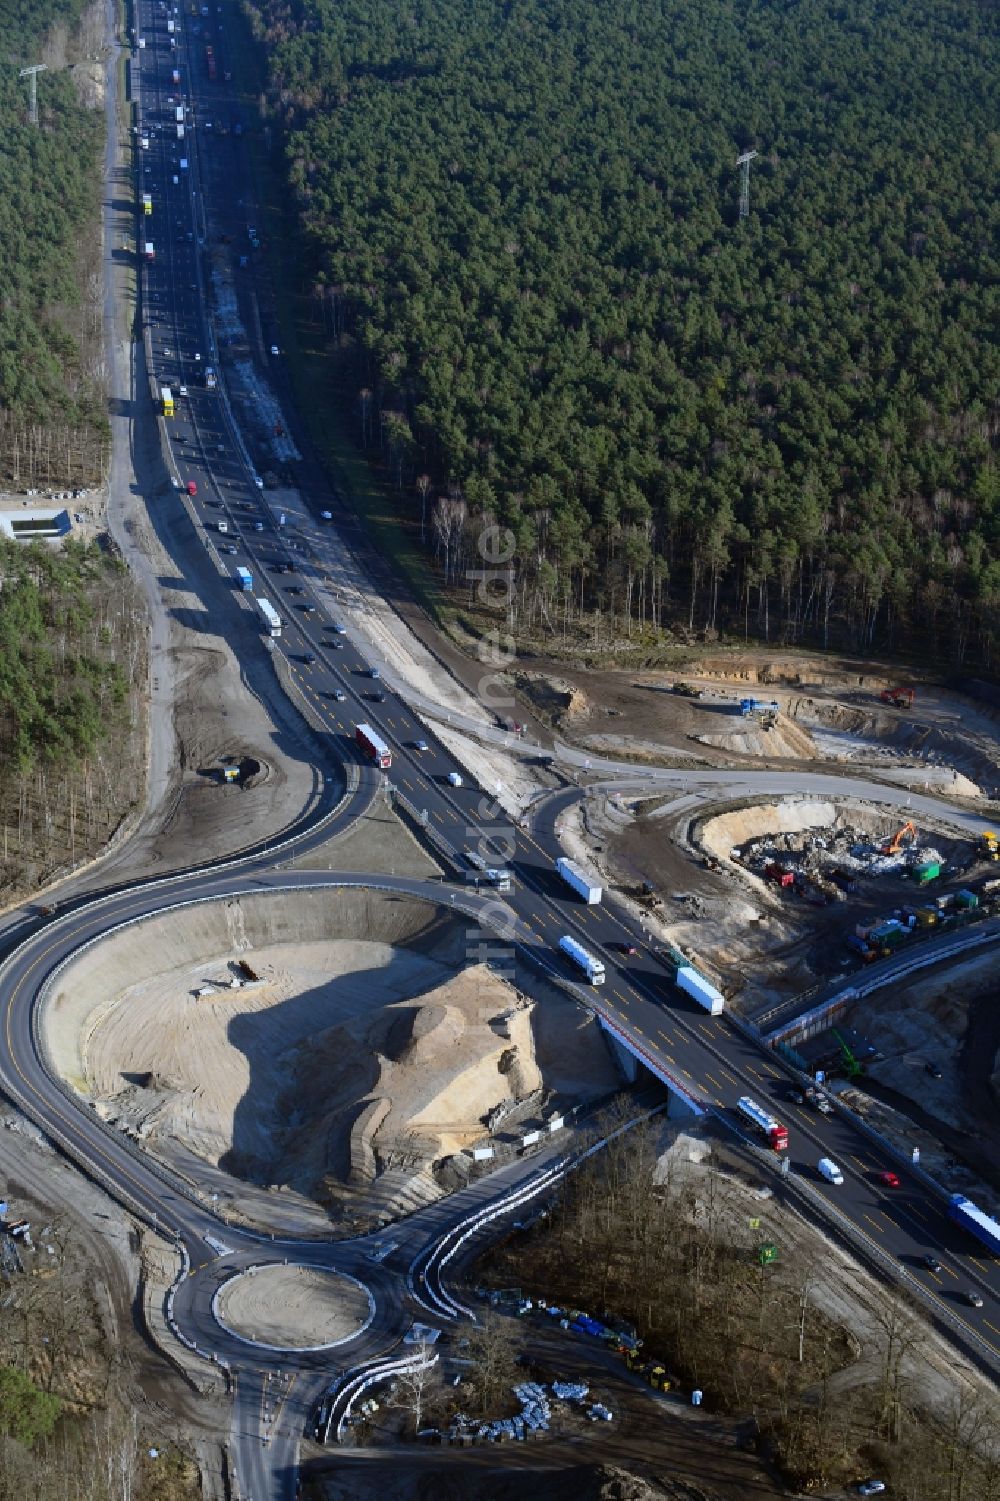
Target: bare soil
{"x": 293, "y": 1307}
{"x": 829, "y": 712}
{"x": 350, "y": 1073}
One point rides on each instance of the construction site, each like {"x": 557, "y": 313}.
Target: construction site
{"x": 241, "y": 1043}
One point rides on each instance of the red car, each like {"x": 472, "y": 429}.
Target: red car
{"x": 192, "y": 488}
{"x": 888, "y": 1180}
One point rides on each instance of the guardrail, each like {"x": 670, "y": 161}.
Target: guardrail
{"x": 352, "y": 1386}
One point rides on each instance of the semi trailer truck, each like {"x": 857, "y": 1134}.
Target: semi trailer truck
{"x": 578, "y": 955}
{"x": 756, "y": 1116}
{"x": 975, "y": 1220}
{"x": 270, "y": 617}
{"x": 373, "y": 745}
{"x": 700, "y": 990}
{"x": 577, "y": 878}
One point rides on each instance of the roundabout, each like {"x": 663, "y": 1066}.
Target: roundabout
{"x": 293, "y": 1307}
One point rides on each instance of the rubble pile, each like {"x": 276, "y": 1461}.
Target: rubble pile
{"x": 824, "y": 867}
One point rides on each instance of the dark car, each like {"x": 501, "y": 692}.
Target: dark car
{"x": 375, "y": 698}
{"x": 931, "y": 1263}
{"x": 624, "y": 948}
{"x": 934, "y": 1069}
{"x": 308, "y": 609}
{"x": 308, "y": 657}
{"x": 420, "y": 745}
{"x": 295, "y": 589}
{"x": 974, "y": 1299}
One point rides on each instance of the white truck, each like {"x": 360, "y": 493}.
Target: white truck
{"x": 576, "y": 877}
{"x": 829, "y": 1170}
{"x": 700, "y": 990}
{"x": 270, "y": 616}
{"x": 592, "y": 968}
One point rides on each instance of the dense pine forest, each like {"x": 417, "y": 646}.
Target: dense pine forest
{"x": 53, "y": 414}
{"x": 522, "y": 225}
{"x": 72, "y": 670}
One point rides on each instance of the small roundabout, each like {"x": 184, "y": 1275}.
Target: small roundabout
{"x": 290, "y": 1306}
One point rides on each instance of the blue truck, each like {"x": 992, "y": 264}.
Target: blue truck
{"x": 973, "y": 1219}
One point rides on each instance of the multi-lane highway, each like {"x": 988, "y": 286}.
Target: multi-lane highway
{"x": 204, "y": 233}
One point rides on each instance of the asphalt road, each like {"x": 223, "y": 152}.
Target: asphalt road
{"x": 703, "y": 1057}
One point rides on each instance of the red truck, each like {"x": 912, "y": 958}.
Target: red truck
{"x": 373, "y": 746}
{"x": 210, "y": 62}
{"x": 779, "y": 874}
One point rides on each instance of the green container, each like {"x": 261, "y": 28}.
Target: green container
{"x": 929, "y": 871}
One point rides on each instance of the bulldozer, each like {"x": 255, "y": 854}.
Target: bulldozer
{"x": 989, "y": 845}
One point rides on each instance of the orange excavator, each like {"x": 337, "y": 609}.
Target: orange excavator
{"x": 895, "y": 844}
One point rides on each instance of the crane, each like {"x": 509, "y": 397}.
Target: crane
{"x": 851, "y": 1064}
{"x": 895, "y": 844}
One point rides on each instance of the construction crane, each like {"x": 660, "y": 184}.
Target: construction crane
{"x": 900, "y": 698}
{"x": 851, "y": 1064}
{"x": 895, "y": 844}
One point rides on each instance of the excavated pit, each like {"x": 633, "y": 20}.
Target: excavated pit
{"x": 332, "y": 1043}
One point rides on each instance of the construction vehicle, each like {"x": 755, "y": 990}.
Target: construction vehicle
{"x": 899, "y": 698}
{"x": 851, "y": 1064}
{"x": 687, "y": 690}
{"x": 895, "y": 844}
{"x": 650, "y": 1370}
{"x": 989, "y": 845}
{"x": 779, "y": 874}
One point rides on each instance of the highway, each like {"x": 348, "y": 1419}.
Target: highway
{"x": 202, "y": 212}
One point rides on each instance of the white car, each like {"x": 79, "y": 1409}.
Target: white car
{"x": 326, "y": 515}
{"x": 274, "y": 350}
{"x": 871, "y": 1487}
{"x": 182, "y": 390}
{"x": 258, "y": 526}
{"x": 454, "y": 779}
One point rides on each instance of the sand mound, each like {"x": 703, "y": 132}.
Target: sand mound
{"x": 348, "y": 1067}
{"x": 783, "y": 740}
{"x": 433, "y": 1031}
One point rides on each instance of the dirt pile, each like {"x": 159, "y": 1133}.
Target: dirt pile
{"x": 349, "y": 1071}
{"x": 782, "y": 740}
